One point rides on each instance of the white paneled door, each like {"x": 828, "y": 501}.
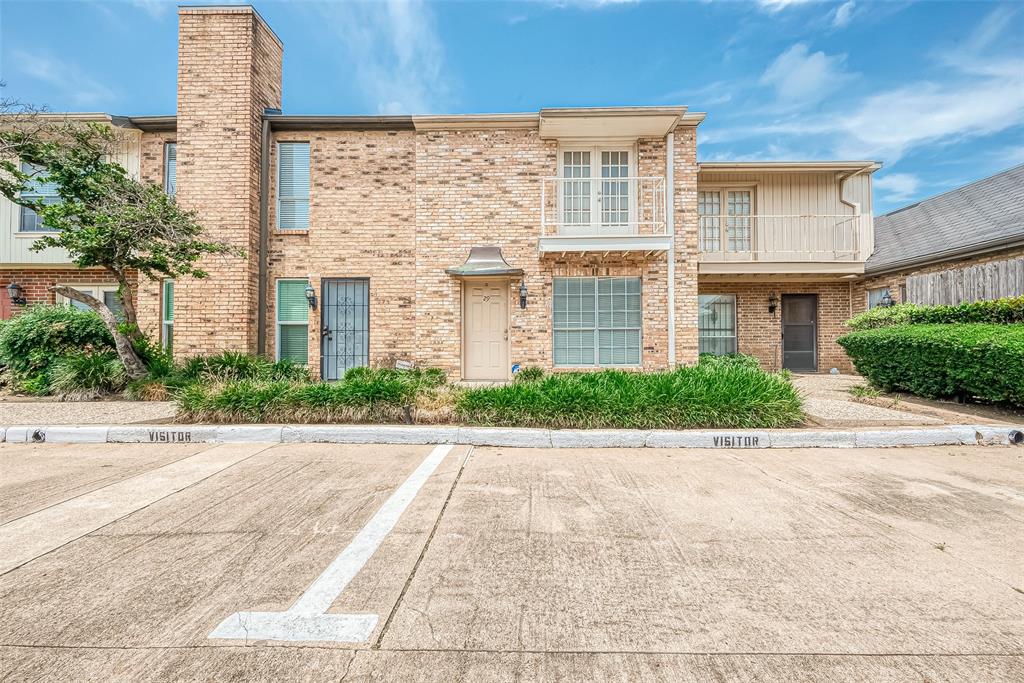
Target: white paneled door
{"x": 485, "y": 329}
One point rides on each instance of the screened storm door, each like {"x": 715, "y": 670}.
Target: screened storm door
{"x": 800, "y": 332}
{"x": 345, "y": 335}
{"x": 596, "y": 192}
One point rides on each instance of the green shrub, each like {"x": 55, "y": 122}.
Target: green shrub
{"x": 31, "y": 342}
{"x": 363, "y": 394}
{"x": 531, "y": 374}
{"x": 233, "y": 365}
{"x": 1006, "y": 311}
{"x": 717, "y": 393}
{"x": 936, "y": 361}
{"x": 85, "y": 375}
{"x": 739, "y": 359}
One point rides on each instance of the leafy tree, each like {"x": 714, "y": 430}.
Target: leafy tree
{"x": 105, "y": 218}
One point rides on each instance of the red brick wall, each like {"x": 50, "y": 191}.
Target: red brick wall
{"x": 759, "y": 333}
{"x": 37, "y": 281}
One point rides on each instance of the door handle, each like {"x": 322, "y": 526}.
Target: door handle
{"x": 326, "y": 332}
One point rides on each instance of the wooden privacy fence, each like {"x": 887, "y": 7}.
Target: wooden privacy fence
{"x": 975, "y": 283}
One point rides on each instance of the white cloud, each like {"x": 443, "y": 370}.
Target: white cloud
{"x": 981, "y": 93}
{"x": 800, "y": 76}
{"x": 66, "y": 77}
{"x": 396, "y": 53}
{"x": 155, "y": 8}
{"x": 779, "y": 5}
{"x": 897, "y": 187}
{"x": 843, "y": 14}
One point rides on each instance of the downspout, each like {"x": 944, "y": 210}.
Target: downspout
{"x": 843, "y": 177}
{"x": 261, "y": 298}
{"x": 670, "y": 191}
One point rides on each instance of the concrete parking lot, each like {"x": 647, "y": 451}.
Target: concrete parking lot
{"x": 121, "y": 561}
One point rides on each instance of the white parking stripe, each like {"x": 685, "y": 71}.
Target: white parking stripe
{"x": 306, "y": 619}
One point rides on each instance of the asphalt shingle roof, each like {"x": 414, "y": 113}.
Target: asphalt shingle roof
{"x": 986, "y": 212}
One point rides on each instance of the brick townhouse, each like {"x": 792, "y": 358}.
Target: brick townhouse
{"x": 565, "y": 238}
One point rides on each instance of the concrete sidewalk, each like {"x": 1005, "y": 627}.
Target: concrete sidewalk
{"x": 520, "y": 564}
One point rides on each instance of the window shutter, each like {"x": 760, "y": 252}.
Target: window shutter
{"x": 293, "y": 185}
{"x": 171, "y": 168}
{"x": 168, "y": 300}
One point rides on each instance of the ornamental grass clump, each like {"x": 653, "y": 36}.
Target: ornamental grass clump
{"x": 716, "y": 393}
{"x": 363, "y": 395}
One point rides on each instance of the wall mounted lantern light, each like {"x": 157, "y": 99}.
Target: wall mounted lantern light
{"x": 887, "y": 300}
{"x": 310, "y": 296}
{"x": 773, "y": 303}
{"x": 522, "y": 294}
{"x": 16, "y": 293}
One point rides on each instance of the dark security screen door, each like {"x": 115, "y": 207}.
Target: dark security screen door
{"x": 345, "y": 335}
{"x": 800, "y": 332}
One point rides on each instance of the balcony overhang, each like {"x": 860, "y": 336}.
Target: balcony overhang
{"x": 601, "y": 244}
{"x": 609, "y": 122}
{"x": 831, "y": 268}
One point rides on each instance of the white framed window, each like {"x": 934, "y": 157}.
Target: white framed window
{"x": 597, "y": 321}
{"x": 293, "y": 185}
{"x": 106, "y": 293}
{"x": 35, "y": 188}
{"x": 725, "y": 219}
{"x": 170, "y": 167}
{"x": 292, "y": 339}
{"x": 876, "y": 295}
{"x": 597, "y": 190}
{"x": 167, "y": 314}
{"x": 716, "y": 324}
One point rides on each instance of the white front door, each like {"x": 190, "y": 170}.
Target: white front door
{"x": 485, "y": 329}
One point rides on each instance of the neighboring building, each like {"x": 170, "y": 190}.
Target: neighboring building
{"x": 567, "y": 238}
{"x": 964, "y": 245}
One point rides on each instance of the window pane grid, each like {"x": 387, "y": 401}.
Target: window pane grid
{"x": 614, "y": 193}
{"x": 597, "y": 321}
{"x": 576, "y": 193}
{"x": 36, "y": 190}
{"x": 709, "y": 207}
{"x": 738, "y": 221}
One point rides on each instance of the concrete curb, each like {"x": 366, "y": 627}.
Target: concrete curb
{"x": 988, "y": 435}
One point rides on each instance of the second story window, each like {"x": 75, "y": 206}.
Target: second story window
{"x": 170, "y": 167}
{"x": 597, "y": 190}
{"x": 38, "y": 190}
{"x": 293, "y": 185}
{"x": 725, "y": 220}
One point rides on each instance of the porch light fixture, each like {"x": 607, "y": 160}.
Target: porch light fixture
{"x": 16, "y": 294}
{"x": 522, "y": 294}
{"x": 310, "y": 296}
{"x": 773, "y": 303}
{"x": 887, "y": 300}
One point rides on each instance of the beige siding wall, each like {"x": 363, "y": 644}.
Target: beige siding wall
{"x": 16, "y": 247}
{"x": 801, "y": 194}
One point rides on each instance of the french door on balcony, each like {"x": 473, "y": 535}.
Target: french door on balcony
{"x": 596, "y": 196}
{"x": 725, "y": 221}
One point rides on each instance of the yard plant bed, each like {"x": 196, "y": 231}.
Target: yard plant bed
{"x": 717, "y": 393}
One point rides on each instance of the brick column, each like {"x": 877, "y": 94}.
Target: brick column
{"x": 229, "y": 71}
{"x": 685, "y": 172}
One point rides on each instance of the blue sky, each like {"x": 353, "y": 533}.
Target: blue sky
{"x": 933, "y": 89}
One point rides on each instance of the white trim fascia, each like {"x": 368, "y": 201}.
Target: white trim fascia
{"x": 606, "y": 243}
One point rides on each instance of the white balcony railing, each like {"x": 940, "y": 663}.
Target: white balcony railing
{"x": 603, "y": 207}
{"x": 781, "y": 238}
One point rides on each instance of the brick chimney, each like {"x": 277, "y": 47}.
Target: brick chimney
{"x": 229, "y": 71}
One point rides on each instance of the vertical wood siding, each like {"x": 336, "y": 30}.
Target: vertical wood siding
{"x": 975, "y": 283}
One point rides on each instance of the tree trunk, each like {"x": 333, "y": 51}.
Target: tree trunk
{"x": 130, "y": 316}
{"x": 133, "y": 365}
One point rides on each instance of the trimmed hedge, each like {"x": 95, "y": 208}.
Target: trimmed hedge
{"x": 941, "y": 361}
{"x": 998, "y": 312}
